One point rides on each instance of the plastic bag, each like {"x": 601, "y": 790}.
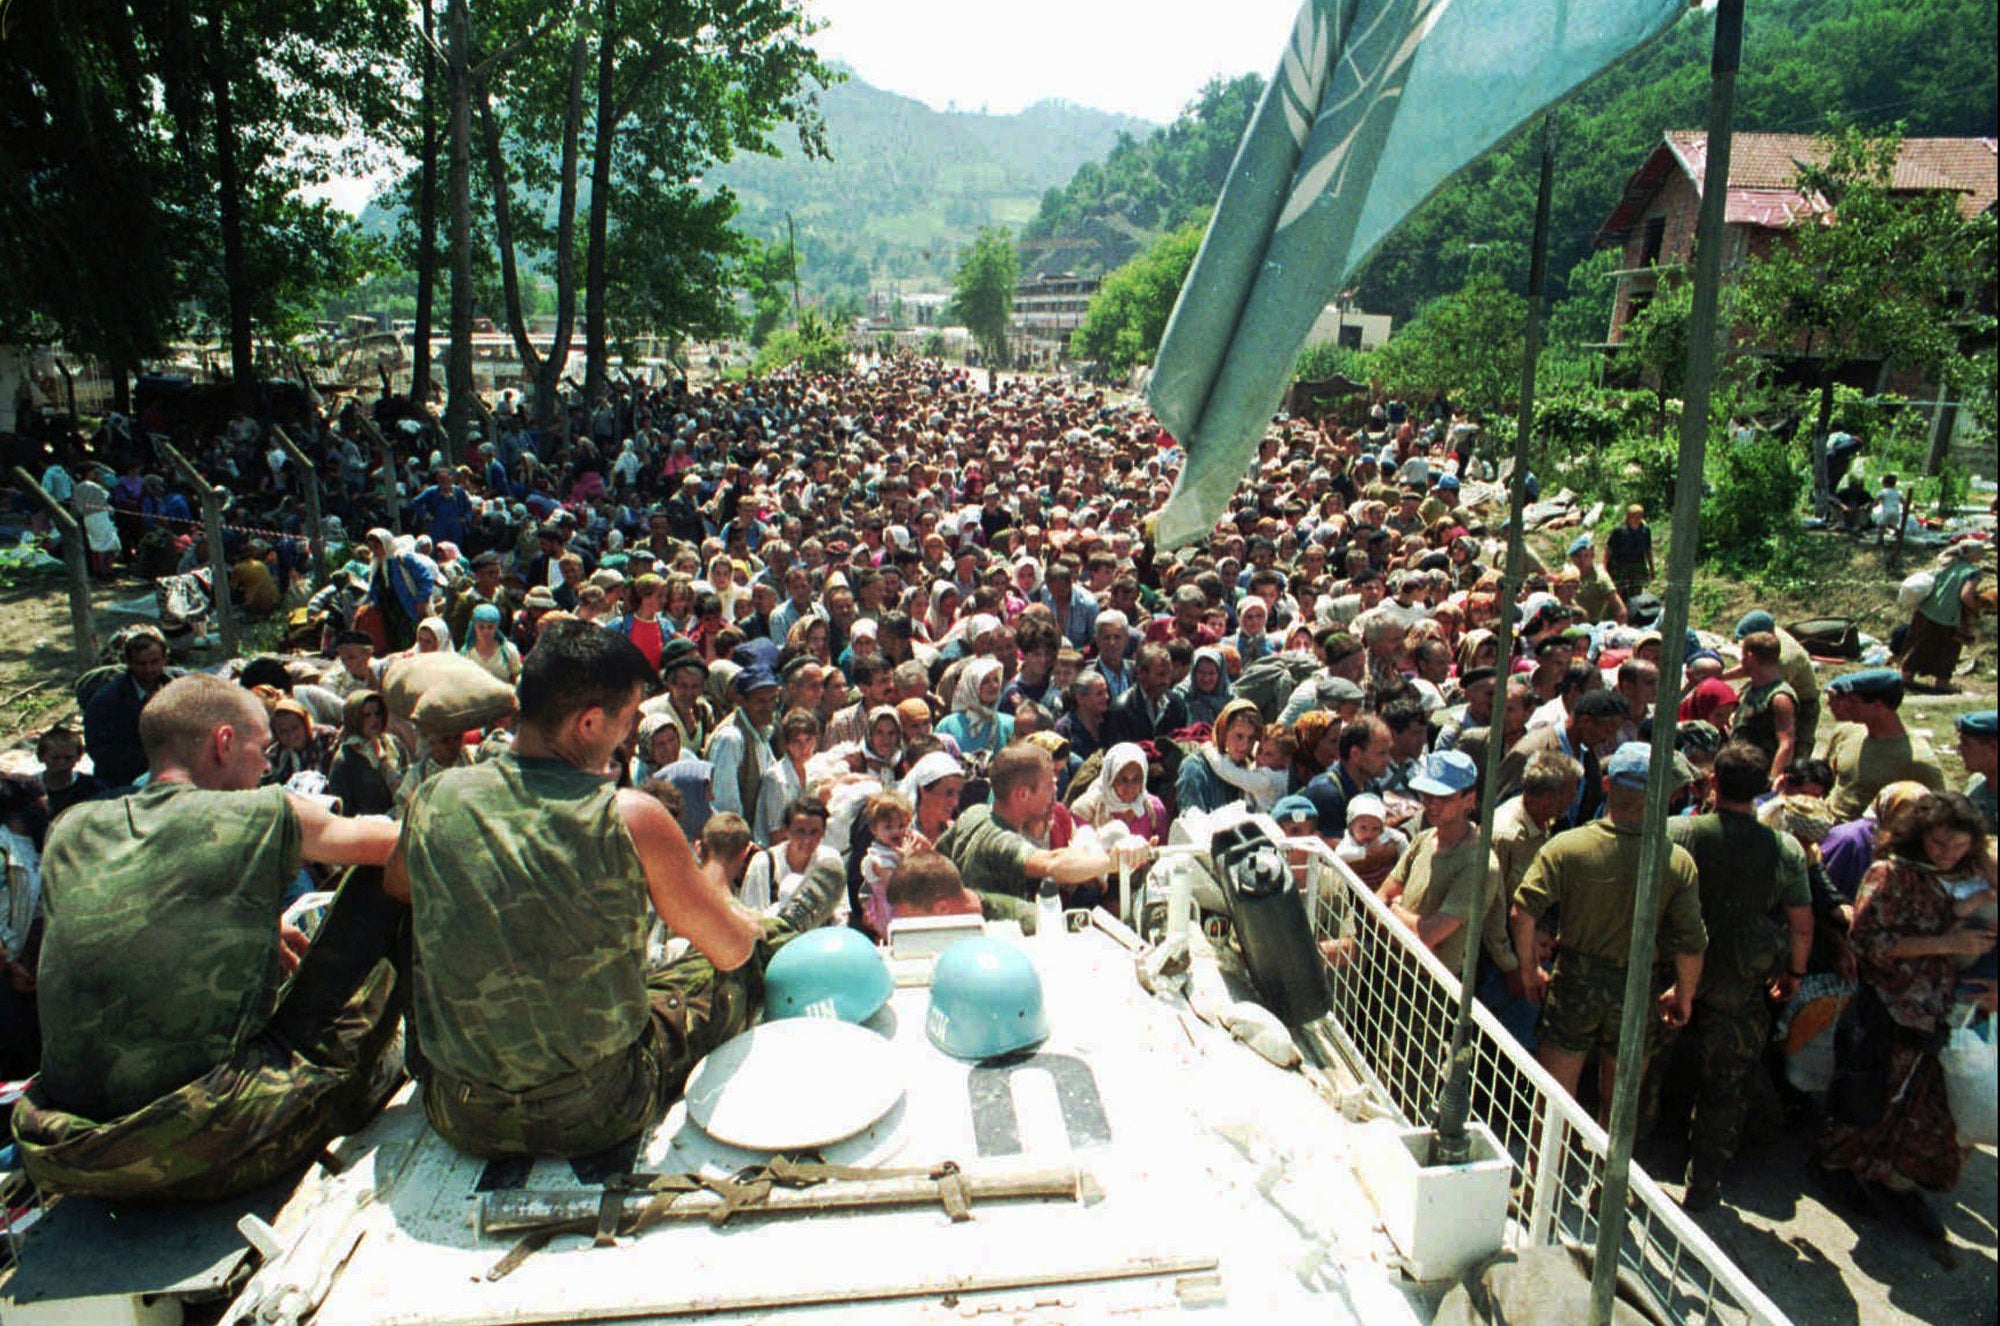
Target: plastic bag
{"x": 1915, "y": 588}
{"x": 1971, "y": 1066}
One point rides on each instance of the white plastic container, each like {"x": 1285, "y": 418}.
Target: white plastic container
{"x": 1444, "y": 1219}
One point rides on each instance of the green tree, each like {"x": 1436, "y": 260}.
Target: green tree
{"x": 1128, "y": 314}
{"x": 1656, "y": 342}
{"x": 1891, "y": 275}
{"x": 814, "y": 345}
{"x": 983, "y": 291}
{"x": 196, "y": 127}
{"x": 1464, "y": 347}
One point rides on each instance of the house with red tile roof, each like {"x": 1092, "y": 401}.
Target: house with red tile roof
{"x": 1654, "y": 222}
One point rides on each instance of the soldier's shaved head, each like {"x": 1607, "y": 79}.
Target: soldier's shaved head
{"x": 178, "y": 722}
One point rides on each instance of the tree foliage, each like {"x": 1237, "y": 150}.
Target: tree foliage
{"x": 1464, "y": 348}
{"x": 1886, "y": 274}
{"x": 1128, "y": 314}
{"x": 815, "y": 345}
{"x": 1928, "y": 63}
{"x": 983, "y": 291}
{"x": 155, "y": 158}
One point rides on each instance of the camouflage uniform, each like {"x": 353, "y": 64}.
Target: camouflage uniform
{"x": 171, "y": 1070}
{"x": 1748, "y": 872}
{"x": 543, "y": 1030}
{"x": 1591, "y": 873}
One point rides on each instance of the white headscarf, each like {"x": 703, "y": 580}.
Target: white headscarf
{"x": 971, "y": 677}
{"x": 1116, "y": 760}
{"x": 933, "y": 768}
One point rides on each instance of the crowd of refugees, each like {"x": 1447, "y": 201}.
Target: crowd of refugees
{"x": 908, "y": 647}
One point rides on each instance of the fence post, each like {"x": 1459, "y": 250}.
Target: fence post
{"x": 389, "y": 493}
{"x": 309, "y": 482}
{"x": 77, "y": 566}
{"x": 218, "y": 563}
{"x": 1544, "y": 1169}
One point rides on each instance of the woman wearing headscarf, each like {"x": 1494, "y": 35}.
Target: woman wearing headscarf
{"x": 1250, "y": 641}
{"x": 1206, "y": 688}
{"x": 434, "y": 636}
{"x": 1119, "y": 796}
{"x": 943, "y": 611}
{"x": 1889, "y": 1133}
{"x": 400, "y": 585}
{"x": 492, "y": 651}
{"x": 975, "y": 723}
{"x": 933, "y": 786}
{"x": 1478, "y": 648}
{"x": 1317, "y": 732}
{"x": 297, "y": 746}
{"x": 1223, "y": 769}
{"x": 369, "y": 763}
{"x": 881, "y": 752}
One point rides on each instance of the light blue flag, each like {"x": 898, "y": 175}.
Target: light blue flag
{"x": 1375, "y": 106}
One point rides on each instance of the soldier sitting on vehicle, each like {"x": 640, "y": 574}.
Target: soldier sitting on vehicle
{"x": 531, "y": 877}
{"x": 171, "y": 1068}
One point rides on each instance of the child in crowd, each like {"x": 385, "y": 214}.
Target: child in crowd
{"x": 1367, "y": 825}
{"x": 59, "y": 749}
{"x": 889, "y": 815}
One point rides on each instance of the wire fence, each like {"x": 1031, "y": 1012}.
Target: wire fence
{"x": 1394, "y": 1005}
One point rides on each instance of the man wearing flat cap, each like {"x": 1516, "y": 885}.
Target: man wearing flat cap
{"x": 1871, "y": 748}
{"x": 741, "y": 750}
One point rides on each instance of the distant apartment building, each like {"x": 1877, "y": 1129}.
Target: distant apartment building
{"x": 1049, "y": 308}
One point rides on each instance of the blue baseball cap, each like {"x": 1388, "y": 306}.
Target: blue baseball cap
{"x": 1628, "y": 765}
{"x": 1444, "y": 774}
{"x": 1448, "y": 482}
{"x": 1293, "y": 809}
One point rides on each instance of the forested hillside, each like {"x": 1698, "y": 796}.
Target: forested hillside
{"x": 1926, "y": 63}
{"x": 908, "y": 185}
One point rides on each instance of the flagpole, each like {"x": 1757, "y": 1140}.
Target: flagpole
{"x": 1654, "y": 845}
{"x": 1451, "y": 1145}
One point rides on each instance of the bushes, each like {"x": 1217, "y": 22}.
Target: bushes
{"x": 1752, "y": 501}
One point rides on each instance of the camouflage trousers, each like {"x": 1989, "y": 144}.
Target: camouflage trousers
{"x": 693, "y": 1009}
{"x": 1726, "y": 1039}
{"x": 1585, "y": 1006}
{"x": 327, "y": 1060}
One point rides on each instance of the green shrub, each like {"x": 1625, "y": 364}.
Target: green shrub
{"x": 1754, "y": 490}
{"x": 1322, "y": 359}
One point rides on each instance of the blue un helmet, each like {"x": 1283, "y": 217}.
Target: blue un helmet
{"x": 831, "y": 972}
{"x": 986, "y": 1000}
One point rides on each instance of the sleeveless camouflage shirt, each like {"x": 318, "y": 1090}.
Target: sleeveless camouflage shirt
{"x": 160, "y": 956}
{"x": 529, "y": 908}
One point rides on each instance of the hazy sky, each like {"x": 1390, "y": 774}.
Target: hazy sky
{"x": 1141, "y": 57}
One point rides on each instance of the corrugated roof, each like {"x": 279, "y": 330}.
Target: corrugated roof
{"x": 1763, "y": 171}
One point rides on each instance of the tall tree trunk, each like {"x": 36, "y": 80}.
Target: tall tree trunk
{"x": 546, "y": 371}
{"x": 550, "y": 375}
{"x": 596, "y": 368}
{"x": 427, "y": 257}
{"x": 458, "y": 366}
{"x": 229, "y": 208}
